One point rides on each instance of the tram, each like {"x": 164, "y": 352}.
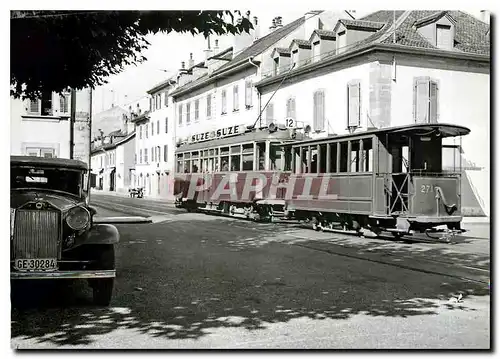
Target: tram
{"x": 384, "y": 180}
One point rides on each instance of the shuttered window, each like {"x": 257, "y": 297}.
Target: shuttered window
{"x": 354, "y": 104}
{"x": 145, "y": 155}
{"x": 196, "y": 109}
{"x": 158, "y": 127}
{"x": 188, "y": 113}
{"x": 269, "y": 113}
{"x": 236, "y": 98}
{"x": 152, "y": 128}
{"x": 180, "y": 114}
{"x": 166, "y": 99}
{"x": 165, "y": 153}
{"x": 140, "y": 132}
{"x": 166, "y": 124}
{"x": 63, "y": 103}
{"x": 223, "y": 102}
{"x": 290, "y": 108}
{"x": 248, "y": 94}
{"x": 140, "y": 156}
{"x": 34, "y": 106}
{"x": 319, "y": 111}
{"x": 425, "y": 100}
{"x": 209, "y": 106}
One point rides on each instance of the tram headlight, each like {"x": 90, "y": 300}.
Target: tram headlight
{"x": 78, "y": 218}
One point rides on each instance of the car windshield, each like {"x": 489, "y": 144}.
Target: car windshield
{"x": 69, "y": 181}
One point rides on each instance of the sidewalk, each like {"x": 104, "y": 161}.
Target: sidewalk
{"x": 126, "y": 195}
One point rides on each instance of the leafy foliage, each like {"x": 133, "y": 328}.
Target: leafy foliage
{"x": 56, "y": 50}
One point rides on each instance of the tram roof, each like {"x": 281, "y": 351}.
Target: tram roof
{"x": 421, "y": 129}
{"x": 259, "y": 135}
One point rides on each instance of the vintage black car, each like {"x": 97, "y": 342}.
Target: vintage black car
{"x": 52, "y": 230}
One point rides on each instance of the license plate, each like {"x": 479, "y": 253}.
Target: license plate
{"x": 45, "y": 264}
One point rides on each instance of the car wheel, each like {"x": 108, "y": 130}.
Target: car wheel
{"x": 103, "y": 291}
{"x": 103, "y": 288}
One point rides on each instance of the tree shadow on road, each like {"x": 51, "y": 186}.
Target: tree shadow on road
{"x": 194, "y": 302}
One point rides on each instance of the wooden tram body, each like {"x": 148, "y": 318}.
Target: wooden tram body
{"x": 387, "y": 179}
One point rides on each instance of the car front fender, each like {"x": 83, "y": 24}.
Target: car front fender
{"x": 99, "y": 234}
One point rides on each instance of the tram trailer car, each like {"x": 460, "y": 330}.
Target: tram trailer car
{"x": 387, "y": 179}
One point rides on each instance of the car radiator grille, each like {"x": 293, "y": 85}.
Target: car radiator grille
{"x": 36, "y": 234}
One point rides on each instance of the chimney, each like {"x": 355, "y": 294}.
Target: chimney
{"x": 208, "y": 51}
{"x": 273, "y": 26}
{"x": 278, "y": 22}
{"x": 191, "y": 61}
{"x": 256, "y": 28}
{"x": 485, "y": 16}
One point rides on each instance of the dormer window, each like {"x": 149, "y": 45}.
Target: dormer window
{"x": 281, "y": 60}
{"x": 315, "y": 51}
{"x": 341, "y": 41}
{"x": 443, "y": 36}
{"x": 295, "y": 58}
{"x": 350, "y": 32}
{"x": 438, "y": 29}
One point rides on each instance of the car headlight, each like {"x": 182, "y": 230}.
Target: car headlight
{"x": 78, "y": 218}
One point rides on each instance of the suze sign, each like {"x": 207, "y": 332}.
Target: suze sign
{"x": 214, "y": 135}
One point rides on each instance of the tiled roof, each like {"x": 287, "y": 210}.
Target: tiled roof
{"x": 436, "y": 15}
{"x": 191, "y": 84}
{"x": 325, "y": 33}
{"x": 264, "y": 43}
{"x": 301, "y": 43}
{"x": 470, "y": 33}
{"x": 362, "y": 24}
{"x": 282, "y": 50}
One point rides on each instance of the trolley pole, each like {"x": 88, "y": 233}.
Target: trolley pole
{"x": 89, "y": 181}
{"x": 72, "y": 120}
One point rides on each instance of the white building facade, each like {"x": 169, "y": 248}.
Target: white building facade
{"x": 155, "y": 143}
{"x": 434, "y": 68}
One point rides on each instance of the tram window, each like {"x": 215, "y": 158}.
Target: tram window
{"x": 179, "y": 166}
{"x": 322, "y": 159}
{"x": 248, "y": 162}
{"x": 205, "y": 153}
{"x": 215, "y": 164}
{"x": 262, "y": 156}
{"x": 224, "y": 160}
{"x": 333, "y": 157}
{"x": 187, "y": 166}
{"x": 355, "y": 160}
{"x": 195, "y": 154}
{"x": 343, "y": 157}
{"x": 275, "y": 158}
{"x": 224, "y": 151}
{"x": 235, "y": 162}
{"x": 211, "y": 152}
{"x": 235, "y": 150}
{"x": 195, "y": 166}
{"x": 248, "y": 148}
{"x": 187, "y": 155}
{"x": 367, "y": 156}
{"x": 288, "y": 159}
{"x": 314, "y": 161}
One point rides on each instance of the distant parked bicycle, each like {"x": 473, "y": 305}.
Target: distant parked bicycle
{"x": 136, "y": 192}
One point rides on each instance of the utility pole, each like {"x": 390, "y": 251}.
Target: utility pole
{"x": 89, "y": 181}
{"x": 72, "y": 120}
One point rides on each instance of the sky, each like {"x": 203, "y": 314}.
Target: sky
{"x": 166, "y": 52}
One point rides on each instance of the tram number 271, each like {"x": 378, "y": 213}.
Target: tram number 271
{"x": 426, "y": 188}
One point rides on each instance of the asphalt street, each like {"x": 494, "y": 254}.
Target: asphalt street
{"x": 191, "y": 280}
